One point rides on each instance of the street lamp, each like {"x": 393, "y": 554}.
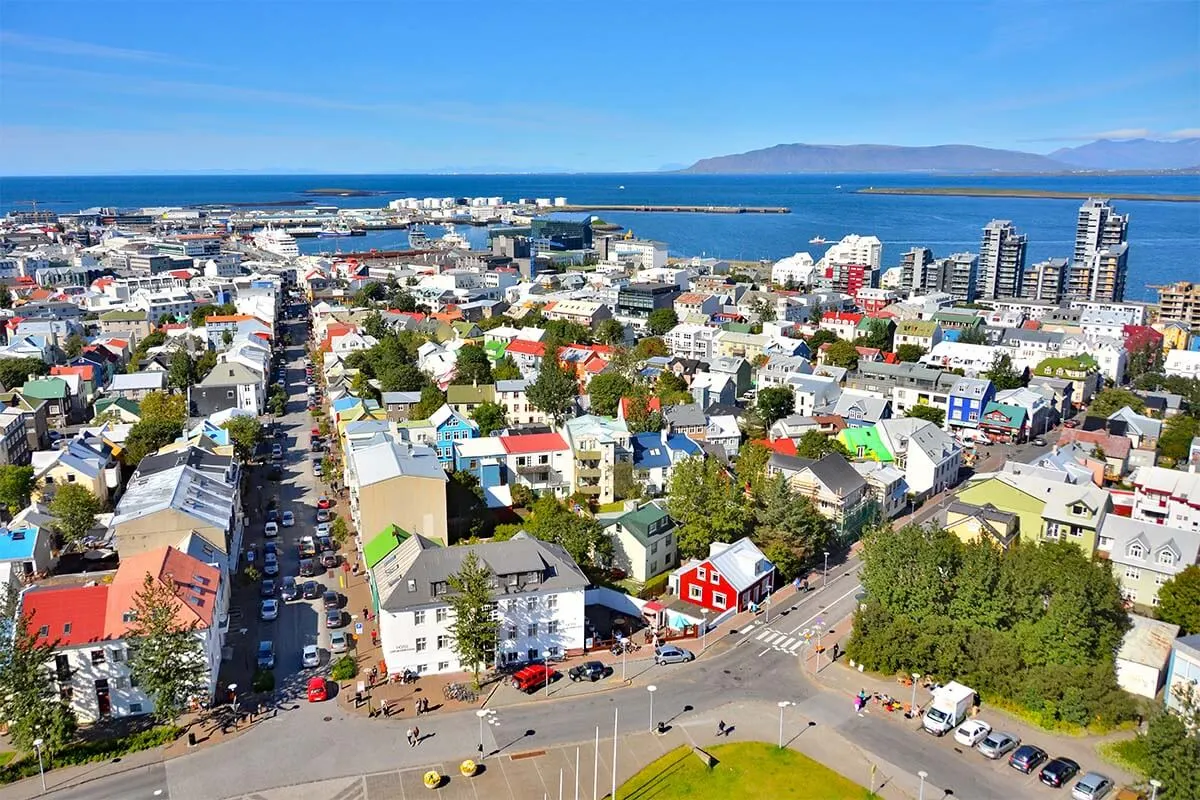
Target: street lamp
{"x": 623, "y": 649}
{"x": 817, "y": 627}
{"x": 233, "y": 701}
{"x": 547, "y": 654}
{"x": 913, "y": 705}
{"x": 37, "y": 745}
{"x": 483, "y": 713}
{"x": 704, "y": 636}
{"x": 652, "y": 689}
{"x": 825, "y": 576}
{"x": 1155, "y": 785}
{"x": 921, "y": 793}
{"x": 782, "y": 705}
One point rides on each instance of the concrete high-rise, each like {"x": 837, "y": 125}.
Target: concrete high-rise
{"x": 1099, "y": 264}
{"x": 1001, "y": 260}
{"x": 1044, "y": 281}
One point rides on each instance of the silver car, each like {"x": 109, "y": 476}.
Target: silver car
{"x": 1092, "y": 786}
{"x": 670, "y": 654}
{"x": 339, "y": 642}
{"x": 270, "y": 609}
{"x": 997, "y": 744}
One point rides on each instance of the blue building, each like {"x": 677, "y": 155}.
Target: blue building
{"x": 449, "y": 427}
{"x": 968, "y": 398}
{"x": 484, "y": 458}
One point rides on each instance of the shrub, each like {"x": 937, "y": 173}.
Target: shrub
{"x": 654, "y": 587}
{"x": 263, "y": 681}
{"x": 87, "y": 752}
{"x": 344, "y": 669}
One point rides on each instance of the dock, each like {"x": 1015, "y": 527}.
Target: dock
{"x": 678, "y": 209}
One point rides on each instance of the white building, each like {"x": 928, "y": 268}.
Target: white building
{"x": 538, "y": 591}
{"x": 797, "y": 269}
{"x": 855, "y": 249}
{"x": 928, "y": 455}
{"x": 1184, "y": 363}
{"x": 691, "y": 341}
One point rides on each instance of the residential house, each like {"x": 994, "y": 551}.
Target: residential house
{"x": 598, "y": 444}
{"x": 1039, "y": 412}
{"x": 741, "y": 345}
{"x": 27, "y": 547}
{"x": 1048, "y": 509}
{"x": 1082, "y": 371}
{"x": 538, "y": 601}
{"x": 1004, "y": 423}
{"x": 1146, "y": 555}
{"x": 119, "y": 321}
{"x": 688, "y": 420}
{"x": 731, "y": 579}
{"x": 486, "y": 459}
{"x": 700, "y": 303}
{"x": 886, "y": 486}
{"x": 14, "y": 443}
{"x": 35, "y": 414}
{"x": 736, "y": 368}
{"x": 778, "y": 369}
{"x": 1141, "y": 660}
{"x": 814, "y": 394}
{"x": 399, "y": 405}
{"x": 655, "y": 456}
{"x": 540, "y": 461}
{"x": 643, "y": 541}
{"x": 861, "y": 409}
{"x": 512, "y": 395}
{"x": 1166, "y": 497}
{"x": 843, "y": 324}
{"x": 228, "y": 385}
{"x": 449, "y": 426}
{"x": 723, "y": 430}
{"x": 834, "y": 487}
{"x": 929, "y": 457}
{"x": 688, "y": 340}
{"x": 922, "y": 333}
{"x": 708, "y": 388}
{"x": 464, "y": 398}
{"x": 56, "y": 396}
{"x": 527, "y": 355}
{"x": 973, "y": 523}
{"x": 583, "y": 312}
{"x": 968, "y": 399}
{"x": 135, "y": 386}
{"x": 83, "y": 460}
{"x": 396, "y": 482}
{"x": 1108, "y": 454}
{"x": 1183, "y": 674}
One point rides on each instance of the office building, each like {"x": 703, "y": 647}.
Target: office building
{"x": 1001, "y": 260}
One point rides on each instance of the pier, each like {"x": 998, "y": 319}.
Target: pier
{"x": 678, "y": 209}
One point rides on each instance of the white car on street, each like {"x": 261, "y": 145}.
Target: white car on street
{"x": 288, "y": 519}
{"x": 972, "y": 732}
{"x": 271, "y": 529}
{"x": 311, "y": 657}
{"x": 270, "y": 609}
{"x": 270, "y": 564}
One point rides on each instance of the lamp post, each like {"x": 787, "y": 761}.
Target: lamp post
{"x": 782, "y": 705}
{"x": 921, "y": 792}
{"x": 483, "y": 713}
{"x": 704, "y": 636}
{"x": 652, "y": 689}
{"x": 825, "y": 575}
{"x": 233, "y": 701}
{"x": 623, "y": 649}
{"x": 1155, "y": 785}
{"x": 913, "y": 705}
{"x": 37, "y": 745}
{"x": 817, "y": 627}
{"x": 546, "y": 654}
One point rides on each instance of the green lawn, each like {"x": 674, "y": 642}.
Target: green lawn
{"x": 749, "y": 771}
{"x": 6, "y": 756}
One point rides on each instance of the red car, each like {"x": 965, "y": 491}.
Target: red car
{"x": 316, "y": 433}
{"x": 324, "y": 503}
{"x": 1070, "y": 423}
{"x": 317, "y": 692}
{"x": 533, "y": 677}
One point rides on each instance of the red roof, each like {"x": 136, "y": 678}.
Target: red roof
{"x": 230, "y": 318}
{"x": 526, "y": 347}
{"x": 533, "y": 443}
{"x": 182, "y": 274}
{"x": 70, "y": 615}
{"x": 196, "y": 586}
{"x": 417, "y": 315}
{"x": 842, "y": 316}
{"x": 785, "y": 447}
{"x": 85, "y": 371}
{"x": 653, "y": 405}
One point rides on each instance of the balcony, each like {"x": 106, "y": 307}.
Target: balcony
{"x": 589, "y": 472}
{"x": 589, "y": 490}
{"x": 589, "y": 455}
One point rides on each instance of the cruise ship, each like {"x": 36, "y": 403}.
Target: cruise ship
{"x": 278, "y": 242}
{"x": 453, "y": 239}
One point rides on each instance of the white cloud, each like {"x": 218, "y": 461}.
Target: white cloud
{"x": 1183, "y": 133}
{"x": 70, "y": 47}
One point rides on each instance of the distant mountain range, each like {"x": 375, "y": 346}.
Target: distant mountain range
{"x": 1128, "y": 154}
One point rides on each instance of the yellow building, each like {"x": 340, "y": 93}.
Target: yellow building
{"x": 971, "y": 523}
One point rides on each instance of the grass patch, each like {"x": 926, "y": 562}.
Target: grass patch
{"x": 89, "y": 752}
{"x": 6, "y": 756}
{"x": 1128, "y": 754}
{"x": 1042, "y": 721}
{"x": 748, "y": 771}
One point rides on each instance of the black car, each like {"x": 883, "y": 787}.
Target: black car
{"x": 1026, "y": 758}
{"x": 589, "y": 671}
{"x": 308, "y": 568}
{"x": 325, "y": 543}
{"x": 1058, "y": 772}
{"x": 290, "y": 590}
{"x": 267, "y": 587}
{"x": 331, "y": 599}
{"x": 312, "y": 590}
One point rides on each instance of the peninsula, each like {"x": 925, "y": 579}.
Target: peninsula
{"x": 980, "y": 191}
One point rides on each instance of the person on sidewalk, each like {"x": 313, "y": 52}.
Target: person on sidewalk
{"x": 721, "y": 728}
{"x": 412, "y": 737}
{"x": 416, "y": 735}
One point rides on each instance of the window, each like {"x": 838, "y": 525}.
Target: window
{"x": 70, "y": 477}
{"x": 1166, "y": 557}
{"x": 418, "y": 618}
{"x": 1159, "y": 580}
{"x": 1133, "y": 573}
{"x": 1136, "y": 551}
{"x": 553, "y": 650}
{"x": 512, "y": 632}
{"x": 441, "y": 614}
{"x": 552, "y": 626}
{"x": 701, "y": 574}
{"x": 718, "y": 599}
{"x": 552, "y": 602}
{"x": 97, "y": 657}
{"x": 443, "y": 666}
{"x": 420, "y": 644}
{"x": 530, "y": 603}
{"x": 443, "y": 642}
{"x": 531, "y": 631}
{"x": 695, "y": 592}
{"x": 118, "y": 655}
{"x": 716, "y": 578}
{"x": 66, "y": 693}
{"x": 654, "y": 549}
{"x": 229, "y": 394}
{"x": 62, "y": 667}
{"x": 43, "y": 631}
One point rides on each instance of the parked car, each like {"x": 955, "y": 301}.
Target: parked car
{"x": 533, "y": 676}
{"x": 324, "y": 541}
{"x": 1039, "y": 442}
{"x": 329, "y": 559}
{"x": 589, "y": 671}
{"x": 270, "y": 609}
{"x": 996, "y": 744}
{"x": 289, "y": 590}
{"x": 333, "y": 617}
{"x": 307, "y": 547}
{"x": 266, "y": 655}
{"x": 267, "y": 588}
{"x": 308, "y": 568}
{"x": 277, "y": 452}
{"x": 271, "y": 529}
{"x": 271, "y": 547}
{"x": 1058, "y": 772}
{"x": 324, "y": 502}
{"x": 331, "y": 599}
{"x": 317, "y": 471}
{"x": 1026, "y": 758}
{"x": 339, "y": 642}
{"x": 272, "y": 515}
{"x": 289, "y": 519}
{"x": 312, "y": 590}
{"x": 972, "y": 732}
{"x": 670, "y": 654}
{"x": 270, "y": 564}
{"x": 1091, "y": 786}
{"x": 251, "y": 554}
{"x": 316, "y": 690}
{"x": 322, "y": 515}
{"x": 311, "y": 656}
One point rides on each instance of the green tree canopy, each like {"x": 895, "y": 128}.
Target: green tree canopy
{"x": 878, "y": 335}
{"x": 14, "y": 372}
{"x": 610, "y": 332}
{"x": 1176, "y": 440}
{"x": 489, "y": 417}
{"x": 431, "y": 400}
{"x": 551, "y": 521}
{"x": 606, "y": 390}
{"x": 1002, "y": 374}
{"x": 1179, "y": 600}
{"x": 475, "y": 627}
{"x": 789, "y": 529}
{"x": 707, "y": 505}
{"x": 506, "y": 370}
{"x": 931, "y": 413}
{"x": 821, "y": 337}
{"x": 16, "y": 486}
{"x": 842, "y": 354}
{"x": 29, "y": 700}
{"x": 671, "y": 389}
{"x": 662, "y": 320}
{"x": 74, "y": 509}
{"x": 554, "y": 390}
{"x": 775, "y": 403}
{"x": 1110, "y": 401}
{"x": 472, "y": 365}
{"x": 245, "y": 433}
{"x": 910, "y": 352}
{"x": 167, "y": 658}
{"x": 650, "y": 347}
{"x": 814, "y": 444}
{"x": 972, "y": 334}
{"x": 73, "y": 346}
{"x": 6, "y": 298}
{"x": 162, "y": 419}
{"x": 639, "y": 416}
{"x": 560, "y": 332}
{"x": 180, "y": 370}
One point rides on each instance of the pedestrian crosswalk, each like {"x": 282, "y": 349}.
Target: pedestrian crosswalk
{"x": 783, "y": 642}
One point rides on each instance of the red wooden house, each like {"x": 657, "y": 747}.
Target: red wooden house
{"x": 733, "y": 576}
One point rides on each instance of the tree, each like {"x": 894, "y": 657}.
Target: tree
{"x": 581, "y": 536}
{"x": 1179, "y": 600}
{"x": 28, "y": 698}
{"x": 606, "y": 391}
{"x": 814, "y": 316}
{"x": 200, "y": 314}
{"x": 163, "y": 407}
{"x": 489, "y": 417}
{"x": 650, "y": 347}
{"x": 180, "y": 371}
{"x": 227, "y": 337}
{"x": 814, "y": 444}
{"x": 166, "y": 657}
{"x": 751, "y": 466}
{"x": 927, "y": 412}
{"x": 626, "y": 485}
{"x": 610, "y": 332}
{"x": 972, "y": 334}
{"x": 910, "y": 352}
{"x": 878, "y": 335}
{"x": 789, "y": 529}
{"x": 162, "y": 419}
{"x": 204, "y": 365}
{"x": 707, "y": 505}
{"x": 842, "y": 354}
{"x": 560, "y": 332}
{"x": 73, "y": 346}
{"x": 506, "y": 370}
{"x": 1002, "y": 375}
{"x": 431, "y": 400}
{"x": 16, "y": 487}
{"x": 475, "y": 627}
{"x": 639, "y": 417}
{"x": 6, "y": 298}
{"x": 670, "y": 389}
{"x": 368, "y": 294}
{"x": 74, "y": 509}
{"x": 821, "y": 337}
{"x": 362, "y": 388}
{"x": 775, "y": 403}
{"x": 1176, "y": 440}
{"x": 662, "y": 320}
{"x": 339, "y": 529}
{"x": 1110, "y": 401}
{"x": 1172, "y": 747}
{"x": 554, "y": 390}
{"x": 472, "y": 365}
{"x": 14, "y": 372}
{"x": 245, "y": 433}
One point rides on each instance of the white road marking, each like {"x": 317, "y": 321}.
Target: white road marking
{"x": 857, "y": 587}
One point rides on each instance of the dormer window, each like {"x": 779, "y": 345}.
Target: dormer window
{"x": 1135, "y": 550}
{"x": 1166, "y": 557}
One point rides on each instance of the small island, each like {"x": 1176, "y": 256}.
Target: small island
{"x": 332, "y": 192}
{"x": 980, "y": 191}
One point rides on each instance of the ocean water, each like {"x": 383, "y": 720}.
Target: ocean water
{"x": 1163, "y": 236}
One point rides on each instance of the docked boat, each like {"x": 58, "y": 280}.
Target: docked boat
{"x": 418, "y": 240}
{"x": 335, "y": 231}
{"x": 281, "y": 243}
{"x": 817, "y": 240}
{"x": 303, "y": 231}
{"x": 454, "y": 240}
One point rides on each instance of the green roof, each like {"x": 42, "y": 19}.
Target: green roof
{"x": 639, "y": 521}
{"x": 1064, "y": 366}
{"x": 736, "y": 327}
{"x": 45, "y": 388}
{"x": 123, "y": 403}
{"x": 917, "y": 327}
{"x": 958, "y": 318}
{"x": 123, "y": 316}
{"x": 1015, "y": 414}
{"x": 866, "y": 437}
{"x": 378, "y": 547}
{"x": 495, "y": 349}
{"x": 469, "y": 393}
{"x": 465, "y": 328}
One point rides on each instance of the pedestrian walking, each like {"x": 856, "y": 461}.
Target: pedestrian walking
{"x": 416, "y": 735}
{"x": 419, "y": 709}
{"x": 721, "y": 728}
{"x": 836, "y": 650}
{"x": 412, "y": 737}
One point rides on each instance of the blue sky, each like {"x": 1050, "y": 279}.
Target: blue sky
{"x": 413, "y": 85}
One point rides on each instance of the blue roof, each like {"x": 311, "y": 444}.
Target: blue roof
{"x": 571, "y": 216}
{"x": 344, "y": 403}
{"x": 649, "y": 451}
{"x": 17, "y": 543}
